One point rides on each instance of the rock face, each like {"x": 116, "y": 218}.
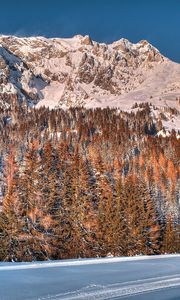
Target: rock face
{"x": 78, "y": 71}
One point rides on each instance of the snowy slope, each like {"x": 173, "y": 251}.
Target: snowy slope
{"x": 145, "y": 277}
{"x": 78, "y": 71}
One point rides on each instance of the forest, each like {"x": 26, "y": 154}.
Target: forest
{"x": 87, "y": 183}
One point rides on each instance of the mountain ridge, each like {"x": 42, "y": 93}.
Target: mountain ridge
{"x": 59, "y": 72}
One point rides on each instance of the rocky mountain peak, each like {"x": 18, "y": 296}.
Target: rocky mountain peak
{"x": 78, "y": 71}
{"x": 84, "y": 40}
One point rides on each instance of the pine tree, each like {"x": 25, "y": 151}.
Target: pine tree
{"x": 170, "y": 237}
{"x": 30, "y": 197}
{"x": 143, "y": 230}
{"x": 119, "y": 241}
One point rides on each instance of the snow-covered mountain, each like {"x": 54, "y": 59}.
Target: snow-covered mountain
{"x": 77, "y": 71}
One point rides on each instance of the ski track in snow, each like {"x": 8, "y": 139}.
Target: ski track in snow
{"x": 120, "y": 289}
{"x": 79, "y": 262}
{"x": 108, "y": 278}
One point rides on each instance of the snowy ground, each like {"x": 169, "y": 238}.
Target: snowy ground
{"x": 137, "y": 278}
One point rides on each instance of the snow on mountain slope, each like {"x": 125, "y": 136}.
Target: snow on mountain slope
{"x": 78, "y": 71}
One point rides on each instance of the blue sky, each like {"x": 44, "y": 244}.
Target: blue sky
{"x": 158, "y": 21}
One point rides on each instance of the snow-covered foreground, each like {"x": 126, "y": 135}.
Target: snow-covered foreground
{"x": 154, "y": 277}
